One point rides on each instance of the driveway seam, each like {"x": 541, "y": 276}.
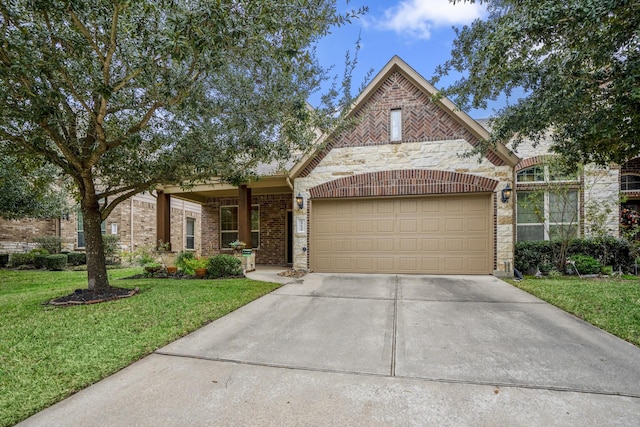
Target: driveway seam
{"x": 394, "y": 335}
{"x": 402, "y": 377}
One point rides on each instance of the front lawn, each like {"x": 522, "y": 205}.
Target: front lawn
{"x": 48, "y": 353}
{"x": 610, "y": 304}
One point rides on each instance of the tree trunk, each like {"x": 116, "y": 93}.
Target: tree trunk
{"x": 96, "y": 265}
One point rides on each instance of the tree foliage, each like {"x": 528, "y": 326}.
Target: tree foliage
{"x": 29, "y": 190}
{"x": 578, "y": 62}
{"x": 124, "y": 95}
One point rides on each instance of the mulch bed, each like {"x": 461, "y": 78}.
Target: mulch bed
{"x": 292, "y": 273}
{"x": 88, "y": 296}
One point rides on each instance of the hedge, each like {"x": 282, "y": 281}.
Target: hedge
{"x": 224, "y": 265}
{"x": 19, "y": 259}
{"x": 543, "y": 255}
{"x": 77, "y": 258}
{"x": 57, "y": 262}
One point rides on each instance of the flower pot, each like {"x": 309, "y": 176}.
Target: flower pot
{"x": 172, "y": 270}
{"x": 152, "y": 268}
{"x": 200, "y": 272}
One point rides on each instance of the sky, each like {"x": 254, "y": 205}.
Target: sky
{"x": 418, "y": 31}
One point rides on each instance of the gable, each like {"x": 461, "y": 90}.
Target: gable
{"x": 422, "y": 118}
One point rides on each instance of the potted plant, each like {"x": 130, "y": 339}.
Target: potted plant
{"x": 237, "y": 245}
{"x": 197, "y": 266}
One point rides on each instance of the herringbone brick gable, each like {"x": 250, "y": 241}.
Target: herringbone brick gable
{"x": 423, "y": 119}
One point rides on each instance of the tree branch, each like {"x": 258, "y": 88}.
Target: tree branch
{"x": 85, "y": 32}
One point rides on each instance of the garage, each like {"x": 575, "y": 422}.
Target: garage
{"x": 420, "y": 235}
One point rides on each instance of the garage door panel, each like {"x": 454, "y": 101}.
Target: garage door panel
{"x": 433, "y": 235}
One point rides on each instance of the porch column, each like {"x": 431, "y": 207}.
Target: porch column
{"x": 163, "y": 219}
{"x": 244, "y": 215}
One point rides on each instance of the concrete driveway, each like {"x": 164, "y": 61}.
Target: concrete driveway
{"x": 376, "y": 350}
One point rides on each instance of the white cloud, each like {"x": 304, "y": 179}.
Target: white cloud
{"x": 416, "y": 18}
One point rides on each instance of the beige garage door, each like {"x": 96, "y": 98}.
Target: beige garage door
{"x": 426, "y": 235}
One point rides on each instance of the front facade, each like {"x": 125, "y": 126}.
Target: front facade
{"x": 395, "y": 193}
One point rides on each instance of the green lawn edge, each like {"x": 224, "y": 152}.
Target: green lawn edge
{"x": 49, "y": 353}
{"x": 611, "y": 304}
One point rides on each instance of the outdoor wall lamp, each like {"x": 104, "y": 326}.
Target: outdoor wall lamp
{"x": 299, "y": 201}
{"x": 506, "y": 193}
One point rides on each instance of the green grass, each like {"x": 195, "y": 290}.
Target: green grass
{"x": 610, "y": 304}
{"x": 48, "y": 353}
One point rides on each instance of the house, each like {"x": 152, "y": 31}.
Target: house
{"x": 134, "y": 221}
{"x": 394, "y": 194}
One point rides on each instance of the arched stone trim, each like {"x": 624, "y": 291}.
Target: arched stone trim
{"x": 532, "y": 161}
{"x": 403, "y": 183}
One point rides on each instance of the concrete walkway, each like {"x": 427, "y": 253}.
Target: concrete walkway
{"x": 375, "y": 350}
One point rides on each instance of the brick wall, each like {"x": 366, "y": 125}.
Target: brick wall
{"x": 273, "y": 219}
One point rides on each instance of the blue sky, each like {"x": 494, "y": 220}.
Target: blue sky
{"x": 418, "y": 31}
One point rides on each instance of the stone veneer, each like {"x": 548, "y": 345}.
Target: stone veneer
{"x": 135, "y": 220}
{"x": 273, "y": 226}
{"x": 433, "y": 157}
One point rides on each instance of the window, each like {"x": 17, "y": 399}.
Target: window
{"x": 191, "y": 234}
{"x": 630, "y": 182}
{"x": 81, "y": 243}
{"x": 229, "y": 225}
{"x": 545, "y": 215}
{"x": 396, "y": 125}
{"x": 548, "y": 211}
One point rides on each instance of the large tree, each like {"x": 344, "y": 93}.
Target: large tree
{"x": 123, "y": 95}
{"x": 578, "y": 62}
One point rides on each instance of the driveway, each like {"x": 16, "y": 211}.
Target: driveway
{"x": 376, "y": 350}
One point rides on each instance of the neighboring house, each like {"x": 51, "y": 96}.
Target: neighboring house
{"x": 134, "y": 221}
{"x": 395, "y": 194}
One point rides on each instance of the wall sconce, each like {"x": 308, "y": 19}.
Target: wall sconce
{"x": 299, "y": 201}
{"x": 506, "y": 193}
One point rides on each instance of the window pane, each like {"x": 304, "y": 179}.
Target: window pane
{"x": 255, "y": 240}
{"x": 255, "y": 218}
{"x": 630, "y": 182}
{"x": 229, "y": 218}
{"x": 228, "y": 237}
{"x": 563, "y": 207}
{"x": 530, "y": 232}
{"x": 396, "y": 125}
{"x": 190, "y": 234}
{"x": 563, "y": 231}
{"x": 532, "y": 174}
{"x": 530, "y": 208}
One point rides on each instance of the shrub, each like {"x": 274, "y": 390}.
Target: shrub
{"x": 4, "y": 260}
{"x": 111, "y": 247}
{"x": 224, "y": 265}
{"x": 180, "y": 261}
{"x": 529, "y": 256}
{"x": 585, "y": 264}
{"x": 40, "y": 260}
{"x": 53, "y": 244}
{"x": 77, "y": 258}
{"x": 57, "y": 262}
{"x": 19, "y": 259}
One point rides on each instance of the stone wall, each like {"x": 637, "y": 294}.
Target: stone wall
{"x": 133, "y": 220}
{"x": 430, "y": 155}
{"x": 273, "y": 227}
{"x": 18, "y": 235}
